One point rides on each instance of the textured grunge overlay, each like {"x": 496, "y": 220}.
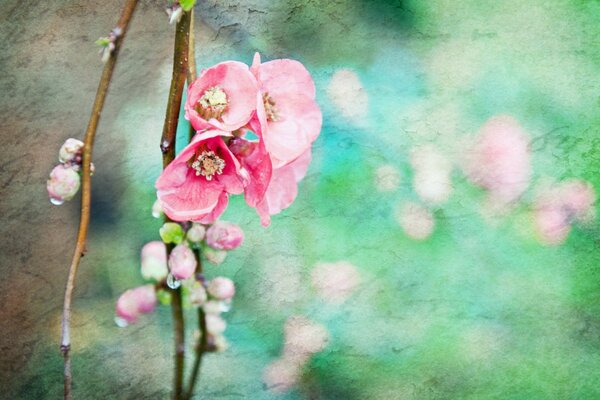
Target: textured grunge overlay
{"x": 434, "y": 250}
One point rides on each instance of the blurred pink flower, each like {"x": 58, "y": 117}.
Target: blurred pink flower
{"x": 63, "y": 184}
{"x": 282, "y": 374}
{"x": 154, "y": 261}
{"x": 223, "y": 97}
{"x": 287, "y": 111}
{"x": 224, "y": 235}
{"x": 182, "y": 262}
{"x": 134, "y": 302}
{"x": 416, "y": 221}
{"x": 500, "y": 160}
{"x": 221, "y": 288}
{"x": 558, "y": 206}
{"x": 283, "y": 188}
{"x": 303, "y": 337}
{"x": 195, "y": 186}
{"x": 335, "y": 282}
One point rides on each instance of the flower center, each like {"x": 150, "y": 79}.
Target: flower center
{"x": 213, "y": 103}
{"x": 208, "y": 164}
{"x": 270, "y": 108}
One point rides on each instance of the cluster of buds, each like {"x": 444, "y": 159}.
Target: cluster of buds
{"x": 214, "y": 297}
{"x": 179, "y": 268}
{"x": 107, "y": 44}
{"x": 65, "y": 179}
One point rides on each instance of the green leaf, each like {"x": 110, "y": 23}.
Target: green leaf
{"x": 103, "y": 41}
{"x": 171, "y": 232}
{"x": 187, "y": 5}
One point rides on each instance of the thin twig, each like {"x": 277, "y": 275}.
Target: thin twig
{"x": 191, "y": 71}
{"x": 167, "y": 145}
{"x": 80, "y": 247}
{"x": 201, "y": 347}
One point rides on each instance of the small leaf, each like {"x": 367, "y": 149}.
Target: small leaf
{"x": 103, "y": 41}
{"x": 187, "y": 5}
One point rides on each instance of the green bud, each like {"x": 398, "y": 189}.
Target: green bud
{"x": 103, "y": 41}
{"x": 164, "y": 296}
{"x": 171, "y": 232}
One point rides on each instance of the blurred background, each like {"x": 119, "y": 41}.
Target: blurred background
{"x": 444, "y": 241}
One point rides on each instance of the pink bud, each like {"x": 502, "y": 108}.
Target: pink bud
{"x": 70, "y": 151}
{"x": 63, "y": 184}
{"x": 198, "y": 295}
{"x": 213, "y": 256}
{"x": 221, "y": 288}
{"x": 215, "y": 325}
{"x": 182, "y": 262}
{"x": 134, "y": 302}
{"x": 224, "y": 236}
{"x": 196, "y": 233}
{"x": 154, "y": 261}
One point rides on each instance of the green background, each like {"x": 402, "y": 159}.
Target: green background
{"x": 480, "y": 310}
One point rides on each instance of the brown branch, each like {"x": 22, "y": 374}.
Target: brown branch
{"x": 180, "y": 70}
{"x": 191, "y": 71}
{"x": 84, "y": 221}
{"x": 167, "y": 145}
{"x": 201, "y": 347}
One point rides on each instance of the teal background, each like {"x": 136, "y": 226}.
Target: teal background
{"x": 480, "y": 310}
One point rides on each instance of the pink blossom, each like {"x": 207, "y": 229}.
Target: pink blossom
{"x": 558, "y": 206}
{"x": 500, "y": 160}
{"x": 223, "y": 97}
{"x": 224, "y": 235}
{"x": 290, "y": 117}
{"x": 283, "y": 188}
{"x": 195, "y": 186}
{"x": 63, "y": 184}
{"x": 182, "y": 262}
{"x": 221, "y": 288}
{"x": 154, "y": 261}
{"x": 134, "y": 302}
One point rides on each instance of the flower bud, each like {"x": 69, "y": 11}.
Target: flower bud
{"x": 196, "y": 233}
{"x": 215, "y": 257}
{"x": 213, "y": 307}
{"x": 63, "y": 184}
{"x": 157, "y": 211}
{"x": 70, "y": 151}
{"x": 198, "y": 294}
{"x": 134, "y": 302}
{"x": 154, "y": 261}
{"x": 221, "y": 288}
{"x": 171, "y": 232}
{"x": 224, "y": 236}
{"x": 182, "y": 262}
{"x": 215, "y": 325}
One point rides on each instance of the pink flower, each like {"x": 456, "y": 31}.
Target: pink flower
{"x": 223, "y": 97}
{"x": 182, "y": 262}
{"x": 558, "y": 206}
{"x": 154, "y": 261}
{"x": 224, "y": 236}
{"x": 290, "y": 117}
{"x": 134, "y": 302}
{"x": 283, "y": 188}
{"x": 63, "y": 184}
{"x": 221, "y": 288}
{"x": 500, "y": 160}
{"x": 195, "y": 186}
